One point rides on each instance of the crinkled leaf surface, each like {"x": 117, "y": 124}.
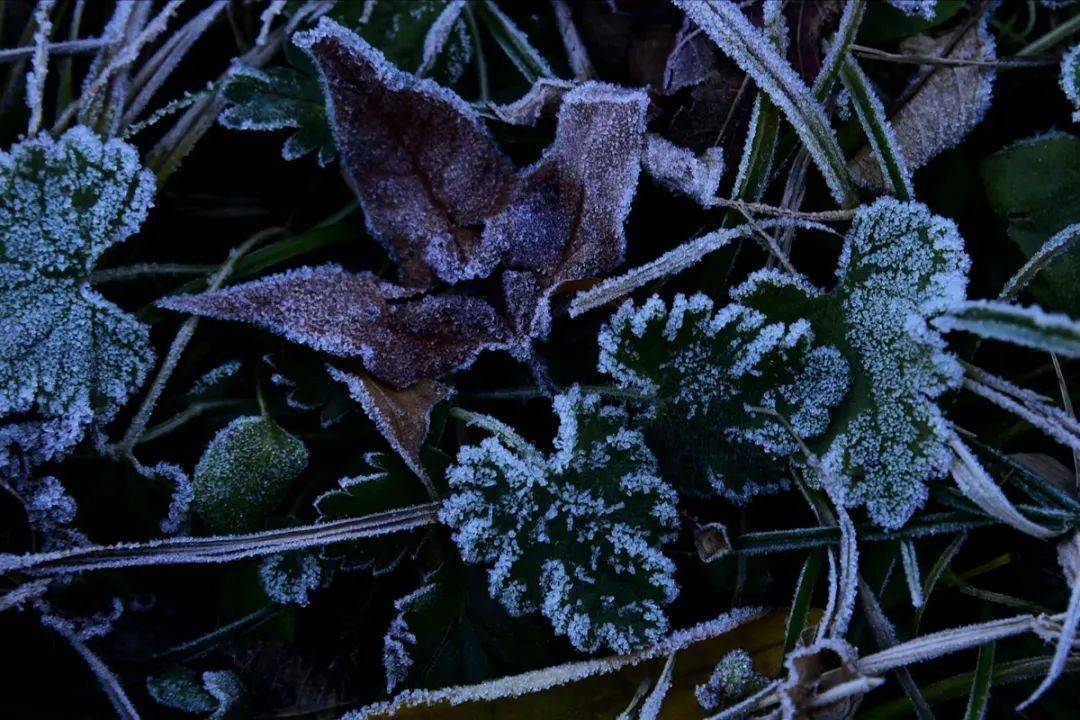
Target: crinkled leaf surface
{"x": 400, "y": 335}
{"x": 68, "y": 357}
{"x": 275, "y": 99}
{"x": 706, "y": 367}
{"x": 575, "y": 534}
{"x": 244, "y": 473}
{"x": 1034, "y": 187}
{"x": 941, "y": 106}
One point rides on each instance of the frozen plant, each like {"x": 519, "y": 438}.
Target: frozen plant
{"x": 576, "y": 533}
{"x": 711, "y": 373}
{"x": 733, "y": 678}
{"x": 288, "y": 578}
{"x": 69, "y": 358}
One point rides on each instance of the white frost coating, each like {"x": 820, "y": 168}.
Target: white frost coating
{"x": 878, "y": 130}
{"x": 544, "y": 95}
{"x": 733, "y": 679}
{"x": 1061, "y": 242}
{"x": 706, "y": 369}
{"x": 438, "y": 34}
{"x": 681, "y": 171}
{"x": 575, "y": 534}
{"x": 225, "y": 688}
{"x": 1028, "y": 326}
{"x": 650, "y": 709}
{"x": 540, "y": 680}
{"x": 1070, "y": 78}
{"x": 266, "y": 20}
{"x": 674, "y": 261}
{"x": 288, "y": 579}
{"x": 1054, "y": 422}
{"x": 39, "y": 64}
{"x": 215, "y": 377}
{"x": 399, "y": 638}
{"x": 68, "y": 357}
{"x": 922, "y": 8}
{"x": 912, "y": 574}
{"x": 978, "y": 487}
{"x": 899, "y": 264}
{"x": 753, "y": 51}
{"x": 183, "y": 493}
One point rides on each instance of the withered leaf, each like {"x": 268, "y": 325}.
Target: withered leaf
{"x": 418, "y": 157}
{"x": 941, "y": 106}
{"x": 402, "y": 416}
{"x": 400, "y": 335}
{"x": 690, "y": 61}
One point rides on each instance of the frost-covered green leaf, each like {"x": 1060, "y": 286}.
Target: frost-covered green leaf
{"x": 1070, "y": 78}
{"x": 244, "y": 473}
{"x": 279, "y": 98}
{"x": 288, "y": 578}
{"x": 709, "y": 371}
{"x": 214, "y": 693}
{"x": 576, "y": 533}
{"x": 68, "y": 356}
{"x": 733, "y": 678}
{"x": 1034, "y": 189}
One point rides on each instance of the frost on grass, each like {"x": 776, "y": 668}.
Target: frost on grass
{"x": 733, "y": 679}
{"x": 399, "y": 335}
{"x": 710, "y": 370}
{"x": 279, "y": 98}
{"x": 244, "y": 473}
{"x": 681, "y": 171}
{"x": 1070, "y": 78}
{"x": 68, "y": 357}
{"x": 575, "y": 534}
{"x": 289, "y": 578}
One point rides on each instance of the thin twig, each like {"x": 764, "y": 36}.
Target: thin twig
{"x": 775, "y": 211}
{"x": 916, "y": 59}
{"x": 56, "y": 49}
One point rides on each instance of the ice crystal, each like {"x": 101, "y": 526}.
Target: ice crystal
{"x": 279, "y": 98}
{"x": 575, "y": 534}
{"x": 710, "y": 372}
{"x": 288, "y": 578}
{"x": 399, "y": 639}
{"x": 733, "y": 678}
{"x": 245, "y": 471}
{"x": 68, "y": 357}
{"x": 1070, "y": 78}
{"x": 922, "y": 8}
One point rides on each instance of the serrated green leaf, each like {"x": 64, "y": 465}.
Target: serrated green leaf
{"x": 244, "y": 473}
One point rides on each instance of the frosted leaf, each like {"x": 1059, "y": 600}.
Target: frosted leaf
{"x": 438, "y": 34}
{"x": 899, "y": 265}
{"x": 244, "y": 473}
{"x": 183, "y": 493}
{"x": 942, "y": 105}
{"x": 922, "y": 8}
{"x": 1027, "y": 326}
{"x": 704, "y": 368}
{"x": 912, "y": 573}
{"x": 691, "y": 59}
{"x": 214, "y": 378}
{"x": 179, "y": 688}
{"x": 308, "y": 387}
{"x": 50, "y": 510}
{"x": 390, "y": 486}
{"x": 288, "y": 578}
{"x": 545, "y": 95}
{"x": 399, "y": 640}
{"x": 575, "y": 534}
{"x": 400, "y": 336}
{"x": 753, "y": 51}
{"x": 681, "y": 171}
{"x": 1070, "y": 78}
{"x": 279, "y": 98}
{"x": 733, "y": 679}
{"x": 68, "y": 357}
{"x": 417, "y": 155}
{"x": 813, "y": 670}
{"x": 401, "y": 416}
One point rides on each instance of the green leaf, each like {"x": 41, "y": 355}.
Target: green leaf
{"x": 245, "y": 472}
{"x": 399, "y": 28}
{"x": 575, "y": 534}
{"x": 69, "y": 358}
{"x": 275, "y": 99}
{"x": 885, "y": 23}
{"x": 1034, "y": 187}
{"x": 979, "y": 699}
{"x": 393, "y": 485}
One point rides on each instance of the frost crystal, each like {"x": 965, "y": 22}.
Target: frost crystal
{"x": 575, "y": 534}
{"x": 710, "y": 371}
{"x": 288, "y": 578}
{"x": 1070, "y": 78}
{"x": 922, "y": 8}
{"x": 68, "y": 357}
{"x": 733, "y": 678}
